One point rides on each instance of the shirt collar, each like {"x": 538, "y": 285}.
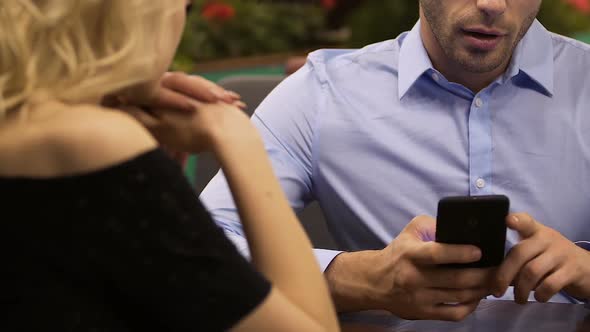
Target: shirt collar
{"x": 413, "y": 60}
{"x": 533, "y": 56}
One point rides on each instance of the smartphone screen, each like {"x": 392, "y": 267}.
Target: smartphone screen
{"x": 475, "y": 220}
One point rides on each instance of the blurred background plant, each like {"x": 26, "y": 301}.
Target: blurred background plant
{"x": 228, "y": 29}
{"x": 221, "y": 29}
{"x": 566, "y": 17}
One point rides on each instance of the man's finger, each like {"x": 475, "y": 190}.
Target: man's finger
{"x": 452, "y": 296}
{"x": 516, "y": 259}
{"x": 450, "y": 278}
{"x": 434, "y": 253}
{"x": 422, "y": 228}
{"x": 530, "y": 275}
{"x": 197, "y": 88}
{"x": 452, "y": 312}
{"x": 523, "y": 223}
{"x": 552, "y": 284}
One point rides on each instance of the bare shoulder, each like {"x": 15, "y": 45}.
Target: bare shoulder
{"x": 95, "y": 137}
{"x": 80, "y": 140}
{"x": 89, "y": 129}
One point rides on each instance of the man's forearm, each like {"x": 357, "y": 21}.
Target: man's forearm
{"x": 351, "y": 282}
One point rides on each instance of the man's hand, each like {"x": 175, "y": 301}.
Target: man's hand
{"x": 406, "y": 278}
{"x": 544, "y": 261}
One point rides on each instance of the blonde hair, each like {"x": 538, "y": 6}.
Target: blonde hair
{"x": 75, "y": 50}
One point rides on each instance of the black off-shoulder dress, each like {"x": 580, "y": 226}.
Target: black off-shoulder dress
{"x": 126, "y": 248}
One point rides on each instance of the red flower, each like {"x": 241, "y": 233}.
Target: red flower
{"x": 329, "y": 4}
{"x": 218, "y": 11}
{"x": 581, "y": 5}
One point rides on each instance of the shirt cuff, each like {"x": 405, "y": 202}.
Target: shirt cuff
{"x": 325, "y": 257}
{"x": 583, "y": 244}
{"x": 239, "y": 242}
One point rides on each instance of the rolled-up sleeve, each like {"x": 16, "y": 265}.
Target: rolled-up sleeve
{"x": 286, "y": 120}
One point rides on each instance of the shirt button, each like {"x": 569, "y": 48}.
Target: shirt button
{"x": 435, "y": 77}
{"x": 480, "y": 183}
{"x": 478, "y": 102}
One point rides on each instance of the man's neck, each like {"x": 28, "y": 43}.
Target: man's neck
{"x": 451, "y": 70}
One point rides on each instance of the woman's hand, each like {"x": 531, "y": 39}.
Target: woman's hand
{"x": 207, "y": 127}
{"x": 175, "y": 90}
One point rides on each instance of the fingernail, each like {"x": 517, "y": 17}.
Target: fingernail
{"x": 476, "y": 253}
{"x": 240, "y": 104}
{"x": 233, "y": 94}
{"x": 219, "y": 94}
{"x": 514, "y": 219}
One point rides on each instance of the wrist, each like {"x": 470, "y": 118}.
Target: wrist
{"x": 585, "y": 276}
{"x": 223, "y": 142}
{"x": 351, "y": 282}
{"x": 580, "y": 288}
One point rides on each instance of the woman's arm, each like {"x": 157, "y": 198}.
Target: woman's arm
{"x": 279, "y": 246}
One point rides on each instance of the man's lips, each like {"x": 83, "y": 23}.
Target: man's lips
{"x": 485, "y": 32}
{"x": 483, "y": 39}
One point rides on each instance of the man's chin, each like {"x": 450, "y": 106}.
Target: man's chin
{"x": 481, "y": 62}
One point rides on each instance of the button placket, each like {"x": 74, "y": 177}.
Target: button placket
{"x": 480, "y": 145}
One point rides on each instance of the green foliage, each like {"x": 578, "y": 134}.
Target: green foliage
{"x": 561, "y": 18}
{"x": 379, "y": 20}
{"x": 257, "y": 28}
{"x": 262, "y": 27}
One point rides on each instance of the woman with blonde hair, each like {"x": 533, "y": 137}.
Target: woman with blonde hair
{"x": 100, "y": 230}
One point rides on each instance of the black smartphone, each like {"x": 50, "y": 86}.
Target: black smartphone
{"x": 475, "y": 220}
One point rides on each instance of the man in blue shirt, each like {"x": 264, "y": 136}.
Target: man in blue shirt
{"x": 479, "y": 98}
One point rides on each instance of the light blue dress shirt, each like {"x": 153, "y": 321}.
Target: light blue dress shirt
{"x": 378, "y": 136}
